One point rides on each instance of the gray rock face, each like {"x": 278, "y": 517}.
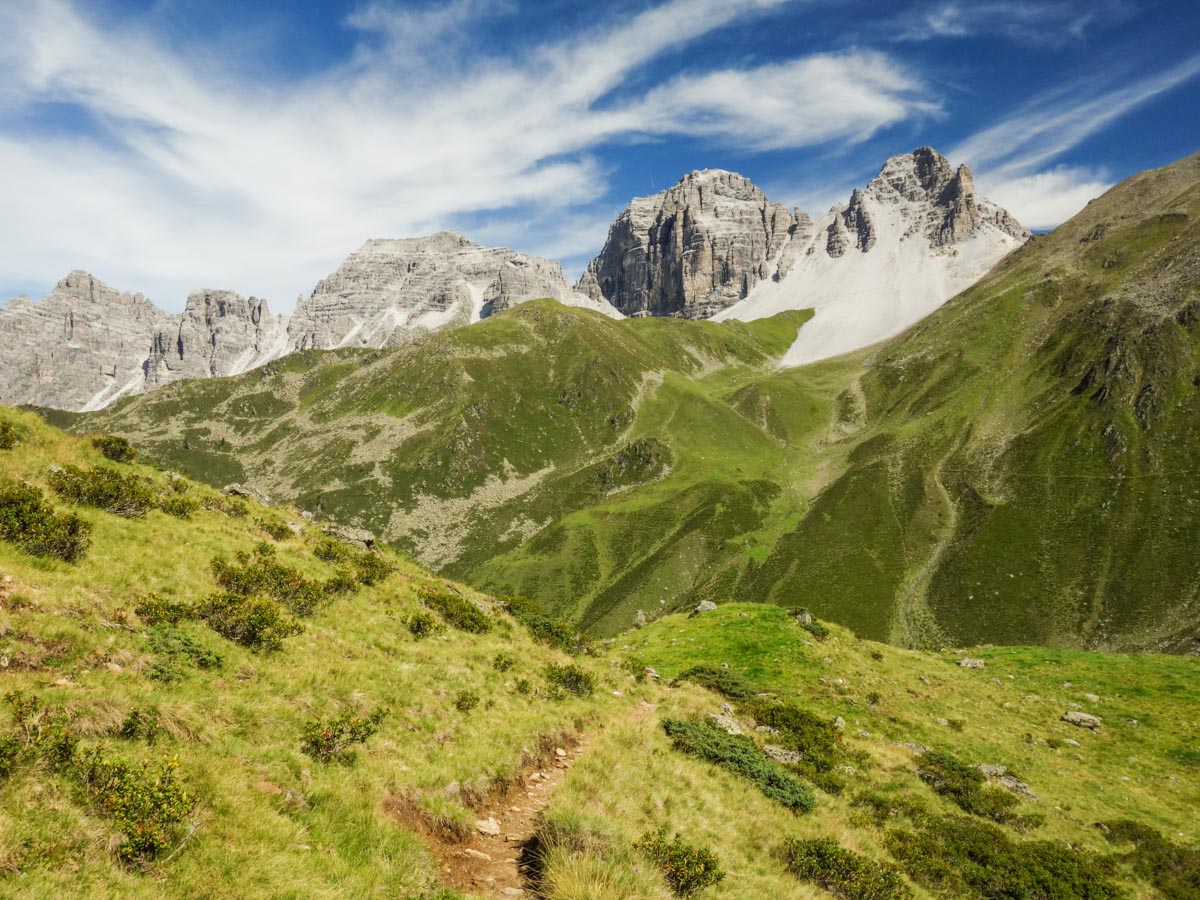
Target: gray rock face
{"x": 691, "y": 250}
{"x": 79, "y": 347}
{"x": 388, "y": 291}
{"x": 218, "y": 333}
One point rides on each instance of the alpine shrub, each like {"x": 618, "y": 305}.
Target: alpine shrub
{"x": 146, "y": 802}
{"x": 261, "y": 573}
{"x": 107, "y": 489}
{"x": 28, "y": 521}
{"x": 687, "y": 869}
{"x": 422, "y": 625}
{"x": 176, "y": 653}
{"x": 570, "y": 679}
{"x": 544, "y": 628}
{"x": 741, "y": 756}
{"x": 1173, "y": 869}
{"x": 115, "y": 448}
{"x": 842, "y": 872}
{"x": 725, "y": 682}
{"x": 465, "y": 701}
{"x": 324, "y": 741}
{"x": 141, "y": 724}
{"x": 963, "y": 857}
{"x": 156, "y": 610}
{"x": 276, "y": 531}
{"x": 258, "y": 623}
{"x": 178, "y": 506}
{"x": 370, "y": 568}
{"x": 503, "y": 661}
{"x": 8, "y": 435}
{"x": 457, "y": 612}
{"x": 966, "y": 786}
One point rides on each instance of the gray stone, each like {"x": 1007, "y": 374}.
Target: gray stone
{"x": 726, "y": 723}
{"x": 705, "y": 606}
{"x": 488, "y": 826}
{"x": 967, "y": 663}
{"x": 781, "y": 755}
{"x": 1081, "y": 719}
{"x": 1091, "y": 698}
{"x": 357, "y": 536}
{"x": 246, "y": 490}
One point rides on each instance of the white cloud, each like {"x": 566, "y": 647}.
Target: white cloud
{"x": 1046, "y": 199}
{"x": 1013, "y": 159}
{"x": 1045, "y": 22}
{"x": 197, "y": 174}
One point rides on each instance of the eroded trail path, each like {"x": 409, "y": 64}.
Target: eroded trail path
{"x": 494, "y": 861}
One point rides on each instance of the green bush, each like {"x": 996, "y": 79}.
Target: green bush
{"x": 814, "y": 737}
{"x": 966, "y": 786}
{"x": 262, "y": 574}
{"x": 570, "y": 679}
{"x": 146, "y": 803}
{"x": 963, "y": 857}
{"x": 457, "y": 612}
{"x": 29, "y": 522}
{"x": 465, "y": 701}
{"x": 176, "y": 653}
{"x": 11, "y": 753}
{"x": 156, "y": 610}
{"x": 115, "y": 448}
{"x": 1173, "y": 870}
{"x": 8, "y": 435}
{"x": 141, "y": 724}
{"x": 687, "y": 869}
{"x": 116, "y": 492}
{"x": 523, "y": 686}
{"x": 544, "y": 628}
{"x": 369, "y": 567}
{"x": 234, "y": 507}
{"x": 503, "y": 661}
{"x": 178, "y": 506}
{"x": 325, "y": 741}
{"x": 258, "y": 623}
{"x": 275, "y": 530}
{"x": 422, "y": 625}
{"x": 842, "y": 872}
{"x": 725, "y": 682}
{"x": 741, "y": 756}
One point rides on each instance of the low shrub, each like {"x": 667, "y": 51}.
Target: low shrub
{"x": 275, "y": 530}
{"x": 177, "y": 654}
{"x": 369, "y": 567}
{"x": 814, "y": 737}
{"x": 141, "y": 724}
{"x": 146, "y": 802}
{"x": 842, "y": 872}
{"x": 234, "y": 507}
{"x": 725, "y": 682}
{"x": 523, "y": 686}
{"x": 115, "y": 448}
{"x": 258, "y": 623}
{"x": 503, "y": 661}
{"x": 456, "y": 611}
{"x": 178, "y": 506}
{"x": 154, "y": 609}
{"x": 687, "y": 869}
{"x": 262, "y": 574}
{"x": 422, "y": 625}
{"x": 1174, "y": 870}
{"x": 741, "y": 756}
{"x": 29, "y": 522}
{"x": 814, "y": 627}
{"x": 569, "y": 679}
{"x": 116, "y": 492}
{"x": 963, "y": 857}
{"x": 8, "y": 435}
{"x": 966, "y": 786}
{"x": 325, "y": 741}
{"x": 544, "y": 628}
{"x": 634, "y": 667}
{"x": 465, "y": 701}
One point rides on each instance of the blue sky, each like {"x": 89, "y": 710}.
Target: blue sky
{"x": 173, "y": 145}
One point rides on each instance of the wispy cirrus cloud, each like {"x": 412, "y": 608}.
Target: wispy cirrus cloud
{"x": 1051, "y": 22}
{"x": 193, "y": 173}
{"x": 1016, "y": 156}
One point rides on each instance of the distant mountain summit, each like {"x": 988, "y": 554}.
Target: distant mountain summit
{"x": 714, "y": 246}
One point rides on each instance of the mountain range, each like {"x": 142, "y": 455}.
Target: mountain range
{"x": 1014, "y": 468}
{"x": 712, "y": 245}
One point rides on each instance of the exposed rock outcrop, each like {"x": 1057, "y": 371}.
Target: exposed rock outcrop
{"x": 388, "y": 291}
{"x": 691, "y": 250}
{"x": 218, "y": 333}
{"x": 79, "y": 347}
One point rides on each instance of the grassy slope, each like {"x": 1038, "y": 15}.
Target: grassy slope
{"x": 1018, "y": 468}
{"x": 276, "y": 823}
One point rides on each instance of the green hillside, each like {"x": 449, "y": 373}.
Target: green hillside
{"x": 1018, "y": 468}
{"x": 180, "y": 665}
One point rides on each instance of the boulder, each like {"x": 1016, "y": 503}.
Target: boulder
{"x": 1081, "y": 719}
{"x": 967, "y": 663}
{"x": 358, "y": 536}
{"x": 488, "y": 826}
{"x": 705, "y": 606}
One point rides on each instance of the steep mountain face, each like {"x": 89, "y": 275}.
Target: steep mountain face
{"x": 218, "y": 333}
{"x": 692, "y": 250}
{"x": 84, "y": 345}
{"x": 916, "y": 236}
{"x": 1019, "y": 467}
{"x": 714, "y": 246}
{"x": 77, "y": 348}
